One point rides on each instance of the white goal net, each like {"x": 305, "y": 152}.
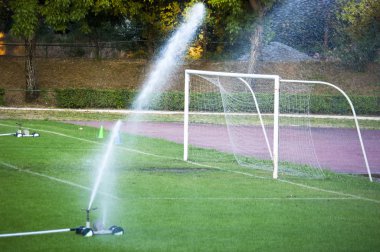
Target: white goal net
{"x": 232, "y": 117}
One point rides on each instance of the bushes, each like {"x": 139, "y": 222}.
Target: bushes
{"x": 366, "y": 105}
{"x": 120, "y": 99}
{"x": 174, "y": 101}
{"x": 93, "y": 98}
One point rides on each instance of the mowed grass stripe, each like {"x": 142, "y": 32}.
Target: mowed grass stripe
{"x": 168, "y": 210}
{"x": 209, "y": 166}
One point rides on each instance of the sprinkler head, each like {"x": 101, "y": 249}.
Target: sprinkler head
{"x": 88, "y": 215}
{"x": 98, "y": 229}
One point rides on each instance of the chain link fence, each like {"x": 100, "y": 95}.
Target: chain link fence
{"x": 131, "y": 49}
{"x": 106, "y": 50}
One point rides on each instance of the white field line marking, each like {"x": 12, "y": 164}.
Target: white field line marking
{"x": 180, "y": 198}
{"x": 329, "y": 191}
{"x": 247, "y": 198}
{"x": 292, "y": 183}
{"x": 215, "y": 167}
{"x": 99, "y": 143}
{"x": 159, "y": 112}
{"x": 95, "y": 142}
{"x": 221, "y": 169}
{"x": 53, "y": 178}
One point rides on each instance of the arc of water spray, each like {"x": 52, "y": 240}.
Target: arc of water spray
{"x": 166, "y": 64}
{"x": 170, "y": 56}
{"x": 104, "y": 164}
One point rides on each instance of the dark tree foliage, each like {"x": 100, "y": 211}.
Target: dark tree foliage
{"x": 303, "y": 24}
{"x": 5, "y": 16}
{"x": 358, "y": 32}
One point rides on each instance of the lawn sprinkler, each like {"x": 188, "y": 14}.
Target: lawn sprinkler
{"x": 86, "y": 231}
{"x": 97, "y": 228}
{"x": 25, "y": 132}
{"x": 21, "y": 132}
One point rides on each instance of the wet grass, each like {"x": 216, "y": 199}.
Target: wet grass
{"x": 226, "y": 208}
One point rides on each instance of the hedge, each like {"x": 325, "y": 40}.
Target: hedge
{"x": 93, "y": 98}
{"x": 174, "y": 101}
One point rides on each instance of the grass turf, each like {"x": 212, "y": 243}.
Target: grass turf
{"x": 166, "y": 204}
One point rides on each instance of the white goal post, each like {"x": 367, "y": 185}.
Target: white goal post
{"x": 273, "y": 83}
{"x": 274, "y": 78}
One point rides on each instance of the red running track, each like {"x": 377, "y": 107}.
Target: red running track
{"x": 337, "y": 149}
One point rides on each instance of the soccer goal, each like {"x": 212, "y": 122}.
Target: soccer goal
{"x": 266, "y": 123}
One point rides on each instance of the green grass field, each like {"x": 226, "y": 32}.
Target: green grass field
{"x": 166, "y": 204}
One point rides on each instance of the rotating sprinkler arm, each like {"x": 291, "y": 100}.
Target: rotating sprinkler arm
{"x": 88, "y": 216}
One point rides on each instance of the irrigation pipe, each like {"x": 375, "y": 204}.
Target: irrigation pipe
{"x": 37, "y": 232}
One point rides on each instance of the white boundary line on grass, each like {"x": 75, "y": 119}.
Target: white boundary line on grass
{"x": 289, "y": 182}
{"x": 292, "y": 183}
{"x": 177, "y": 198}
{"x": 53, "y": 178}
{"x": 215, "y": 167}
{"x": 247, "y": 198}
{"x": 329, "y": 191}
{"x": 91, "y": 141}
{"x": 44, "y": 176}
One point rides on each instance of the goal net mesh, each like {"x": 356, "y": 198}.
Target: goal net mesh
{"x": 326, "y": 132}
{"x": 231, "y": 120}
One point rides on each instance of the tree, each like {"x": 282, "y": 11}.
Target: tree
{"x": 361, "y": 16}
{"x": 101, "y": 19}
{"x": 236, "y": 25}
{"x": 227, "y": 22}
{"x": 260, "y": 7}
{"x": 29, "y": 15}
{"x": 358, "y": 30}
{"x": 5, "y": 16}
{"x": 154, "y": 19}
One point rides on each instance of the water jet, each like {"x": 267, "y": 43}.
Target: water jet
{"x": 166, "y": 64}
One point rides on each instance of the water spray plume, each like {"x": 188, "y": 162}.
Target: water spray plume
{"x": 105, "y": 161}
{"x": 166, "y": 64}
{"x": 170, "y": 56}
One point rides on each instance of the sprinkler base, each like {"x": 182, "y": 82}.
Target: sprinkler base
{"x": 88, "y": 232}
